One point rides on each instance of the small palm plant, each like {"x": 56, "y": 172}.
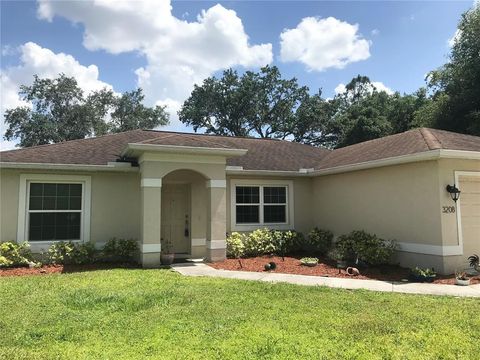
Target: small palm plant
{"x": 474, "y": 262}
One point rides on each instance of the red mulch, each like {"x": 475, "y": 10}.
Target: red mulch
{"x": 63, "y": 269}
{"x": 326, "y": 268}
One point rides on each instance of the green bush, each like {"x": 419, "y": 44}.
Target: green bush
{"x": 265, "y": 242}
{"x": 60, "y": 252}
{"x": 121, "y": 249}
{"x": 13, "y": 254}
{"x": 235, "y": 245}
{"x": 68, "y": 252}
{"x": 260, "y": 242}
{"x": 83, "y": 253}
{"x": 360, "y": 245}
{"x": 320, "y": 241}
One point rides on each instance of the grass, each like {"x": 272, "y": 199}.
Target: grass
{"x": 150, "y": 314}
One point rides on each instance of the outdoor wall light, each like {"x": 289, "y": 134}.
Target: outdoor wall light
{"x": 454, "y": 192}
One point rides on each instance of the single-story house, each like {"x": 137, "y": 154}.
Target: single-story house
{"x": 193, "y": 189}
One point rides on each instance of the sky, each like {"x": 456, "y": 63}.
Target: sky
{"x": 165, "y": 47}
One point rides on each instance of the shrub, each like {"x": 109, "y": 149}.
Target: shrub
{"x": 320, "y": 241}
{"x": 13, "y": 254}
{"x": 260, "y": 242}
{"x": 60, "y": 252}
{"x": 287, "y": 242}
{"x": 83, "y": 253}
{"x": 235, "y": 245}
{"x": 121, "y": 249}
{"x": 360, "y": 245}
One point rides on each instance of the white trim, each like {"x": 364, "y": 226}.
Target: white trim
{"x": 426, "y": 249}
{"x": 69, "y": 167}
{"x": 22, "y": 222}
{"x": 151, "y": 182}
{"x": 151, "y": 248}
{"x": 199, "y": 242}
{"x": 217, "y": 184}
{"x": 266, "y": 172}
{"x": 290, "y": 208}
{"x": 459, "y": 205}
{"x": 216, "y": 244}
{"x": 233, "y": 168}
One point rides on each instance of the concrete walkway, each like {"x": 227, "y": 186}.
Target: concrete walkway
{"x": 201, "y": 269}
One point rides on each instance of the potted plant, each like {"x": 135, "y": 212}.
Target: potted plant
{"x": 309, "y": 261}
{"x": 166, "y": 255}
{"x": 461, "y": 278}
{"x": 337, "y": 255}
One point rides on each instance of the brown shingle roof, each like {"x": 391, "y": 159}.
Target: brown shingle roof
{"x": 263, "y": 154}
{"x": 406, "y": 143}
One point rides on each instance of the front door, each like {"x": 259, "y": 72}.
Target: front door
{"x": 176, "y": 216}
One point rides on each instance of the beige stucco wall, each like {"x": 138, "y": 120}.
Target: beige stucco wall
{"x": 115, "y": 204}
{"x": 395, "y": 202}
{"x": 302, "y": 197}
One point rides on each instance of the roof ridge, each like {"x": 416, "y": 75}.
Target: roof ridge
{"x": 431, "y": 140}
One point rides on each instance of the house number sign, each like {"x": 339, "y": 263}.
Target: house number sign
{"x": 448, "y": 209}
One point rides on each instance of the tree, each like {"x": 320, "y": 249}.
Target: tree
{"x": 364, "y": 113}
{"x": 60, "y": 111}
{"x": 456, "y": 85}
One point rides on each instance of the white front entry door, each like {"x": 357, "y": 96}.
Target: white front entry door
{"x": 176, "y": 217}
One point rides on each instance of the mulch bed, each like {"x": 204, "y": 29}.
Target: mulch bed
{"x": 63, "y": 269}
{"x": 325, "y": 267}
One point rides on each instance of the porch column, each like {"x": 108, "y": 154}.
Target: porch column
{"x": 151, "y": 218}
{"x": 216, "y": 220}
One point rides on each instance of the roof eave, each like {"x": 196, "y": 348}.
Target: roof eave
{"x": 403, "y": 159}
{"x": 118, "y": 167}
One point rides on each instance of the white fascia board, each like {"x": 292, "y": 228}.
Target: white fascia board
{"x": 69, "y": 167}
{"x": 132, "y": 147}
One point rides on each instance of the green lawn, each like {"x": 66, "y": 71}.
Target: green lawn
{"x": 139, "y": 314}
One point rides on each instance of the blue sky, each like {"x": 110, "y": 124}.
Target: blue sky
{"x": 167, "y": 47}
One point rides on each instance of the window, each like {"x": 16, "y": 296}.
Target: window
{"x": 254, "y": 205}
{"x": 54, "y": 211}
{"x": 53, "y": 207}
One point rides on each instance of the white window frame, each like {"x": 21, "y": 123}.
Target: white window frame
{"x": 289, "y": 205}
{"x": 24, "y": 199}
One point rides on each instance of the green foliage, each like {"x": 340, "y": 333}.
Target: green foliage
{"x": 456, "y": 85}
{"x": 13, "y": 254}
{"x": 259, "y": 104}
{"x": 60, "y": 252}
{"x": 68, "y": 252}
{"x": 121, "y": 249}
{"x": 320, "y": 241}
{"x": 425, "y": 272}
{"x": 61, "y": 111}
{"x": 83, "y": 253}
{"x": 366, "y": 247}
{"x": 264, "y": 242}
{"x": 260, "y": 242}
{"x": 235, "y": 245}
{"x": 310, "y": 261}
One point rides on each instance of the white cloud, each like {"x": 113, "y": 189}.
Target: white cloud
{"x": 454, "y": 38}
{"x": 323, "y": 43}
{"x": 375, "y": 32}
{"x": 35, "y": 59}
{"x": 178, "y": 53}
{"x": 379, "y": 86}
